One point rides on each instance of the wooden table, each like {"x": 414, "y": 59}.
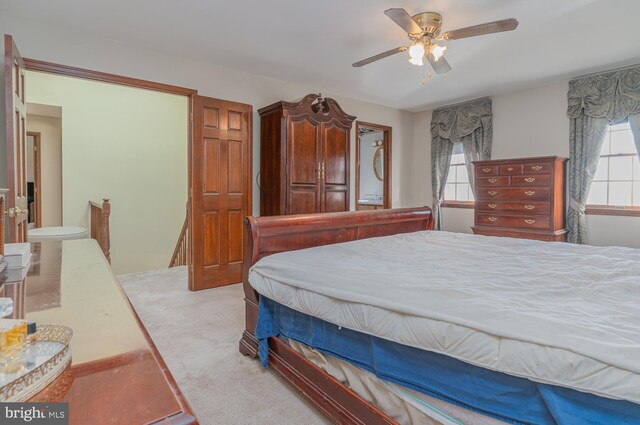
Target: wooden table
{"x": 118, "y": 375}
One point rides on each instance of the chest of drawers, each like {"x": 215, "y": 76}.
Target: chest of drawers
{"x": 521, "y": 198}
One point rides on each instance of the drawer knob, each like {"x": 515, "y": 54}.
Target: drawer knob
{"x": 492, "y": 206}
{"x": 493, "y": 192}
{"x": 530, "y": 192}
{"x": 530, "y": 179}
{"x": 529, "y": 221}
{"x": 530, "y": 207}
{"x": 493, "y": 180}
{"x": 486, "y": 170}
{"x": 510, "y": 169}
{"x": 493, "y": 218}
{"x": 536, "y": 167}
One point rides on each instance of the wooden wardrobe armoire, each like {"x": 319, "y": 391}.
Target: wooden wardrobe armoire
{"x": 304, "y": 157}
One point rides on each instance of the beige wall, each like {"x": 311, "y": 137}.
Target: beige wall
{"x": 128, "y": 145}
{"x": 50, "y": 130}
{"x": 526, "y": 123}
{"x": 60, "y": 45}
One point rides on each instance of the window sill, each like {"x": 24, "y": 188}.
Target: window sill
{"x": 458, "y": 204}
{"x": 619, "y": 211}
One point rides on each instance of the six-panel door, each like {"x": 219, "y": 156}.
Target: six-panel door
{"x": 221, "y": 188}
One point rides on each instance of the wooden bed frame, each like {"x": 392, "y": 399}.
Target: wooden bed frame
{"x": 270, "y": 235}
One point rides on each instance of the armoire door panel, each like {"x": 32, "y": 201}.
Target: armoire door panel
{"x": 336, "y": 200}
{"x": 305, "y": 155}
{"x": 335, "y": 155}
{"x": 303, "y": 201}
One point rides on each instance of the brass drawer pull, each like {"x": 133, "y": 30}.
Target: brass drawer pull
{"x": 493, "y": 180}
{"x": 536, "y": 167}
{"x": 530, "y": 207}
{"x": 493, "y": 218}
{"x": 530, "y": 179}
{"x": 492, "y": 192}
{"x": 492, "y": 206}
{"x": 510, "y": 169}
{"x": 530, "y": 192}
{"x": 529, "y": 221}
{"x": 486, "y": 170}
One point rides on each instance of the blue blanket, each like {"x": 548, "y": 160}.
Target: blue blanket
{"x": 505, "y": 397}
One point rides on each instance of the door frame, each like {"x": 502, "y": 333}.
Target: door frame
{"x": 387, "y": 144}
{"x": 104, "y": 77}
{"x": 37, "y": 176}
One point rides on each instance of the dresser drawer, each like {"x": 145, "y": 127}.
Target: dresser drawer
{"x": 510, "y": 170}
{"x": 539, "y": 180}
{"x": 493, "y": 181}
{"x": 513, "y": 194}
{"x": 487, "y": 170}
{"x": 521, "y": 221}
{"x": 542, "y": 168}
{"x": 531, "y": 208}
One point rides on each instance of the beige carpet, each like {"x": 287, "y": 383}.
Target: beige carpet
{"x": 197, "y": 334}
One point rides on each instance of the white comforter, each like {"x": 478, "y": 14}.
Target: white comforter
{"x": 551, "y": 312}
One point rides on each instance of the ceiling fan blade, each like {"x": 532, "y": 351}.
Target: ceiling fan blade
{"x": 440, "y": 66}
{"x": 404, "y": 20}
{"x": 380, "y": 56}
{"x": 481, "y": 29}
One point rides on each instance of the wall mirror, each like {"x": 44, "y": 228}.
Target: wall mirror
{"x": 378, "y": 163}
{"x": 373, "y": 172}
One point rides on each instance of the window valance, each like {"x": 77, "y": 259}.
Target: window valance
{"x": 612, "y": 95}
{"x": 457, "y": 121}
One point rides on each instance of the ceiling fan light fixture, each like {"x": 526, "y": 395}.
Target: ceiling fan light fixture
{"x": 417, "y": 53}
{"x": 437, "y": 51}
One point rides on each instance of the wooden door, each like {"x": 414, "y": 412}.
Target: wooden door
{"x": 16, "y": 122}
{"x": 305, "y": 162}
{"x": 335, "y": 168}
{"x": 220, "y": 182}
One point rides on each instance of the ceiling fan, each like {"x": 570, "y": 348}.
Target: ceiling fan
{"x": 423, "y": 29}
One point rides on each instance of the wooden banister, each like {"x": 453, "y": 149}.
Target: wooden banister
{"x": 100, "y": 226}
{"x": 180, "y": 255}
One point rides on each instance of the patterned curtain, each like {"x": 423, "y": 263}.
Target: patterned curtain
{"x": 469, "y": 123}
{"x": 593, "y": 103}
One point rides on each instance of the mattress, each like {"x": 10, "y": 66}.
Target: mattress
{"x": 555, "y": 313}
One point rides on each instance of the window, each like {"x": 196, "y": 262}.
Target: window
{"x": 616, "y": 185}
{"x": 457, "y": 191}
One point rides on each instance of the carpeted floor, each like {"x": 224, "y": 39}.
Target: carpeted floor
{"x": 197, "y": 334}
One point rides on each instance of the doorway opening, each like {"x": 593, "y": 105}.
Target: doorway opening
{"x": 373, "y": 166}
{"x": 44, "y": 165}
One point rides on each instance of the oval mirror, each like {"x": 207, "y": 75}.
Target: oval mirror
{"x": 378, "y": 163}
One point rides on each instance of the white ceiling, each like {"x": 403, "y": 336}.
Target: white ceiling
{"x": 315, "y": 42}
